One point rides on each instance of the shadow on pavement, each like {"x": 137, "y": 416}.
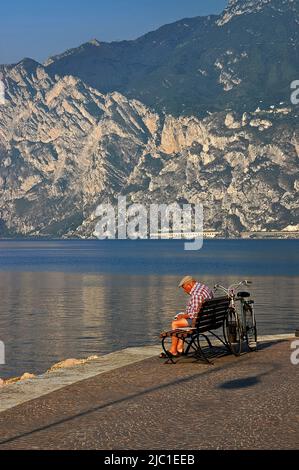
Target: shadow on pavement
{"x": 238, "y": 383}
{"x": 267, "y": 344}
{"x": 92, "y": 409}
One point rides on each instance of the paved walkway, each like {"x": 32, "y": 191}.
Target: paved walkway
{"x": 249, "y": 402}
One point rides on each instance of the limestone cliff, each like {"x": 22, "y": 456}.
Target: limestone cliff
{"x": 65, "y": 147}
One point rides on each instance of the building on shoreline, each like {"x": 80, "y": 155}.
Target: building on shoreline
{"x": 214, "y": 234}
{"x": 273, "y": 234}
{"x": 185, "y": 235}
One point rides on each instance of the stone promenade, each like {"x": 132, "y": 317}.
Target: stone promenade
{"x": 132, "y": 400}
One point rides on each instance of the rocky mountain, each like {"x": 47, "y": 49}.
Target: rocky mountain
{"x": 70, "y": 140}
{"x": 247, "y": 55}
{"x": 66, "y": 147}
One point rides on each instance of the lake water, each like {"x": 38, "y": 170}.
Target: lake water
{"x": 62, "y": 299}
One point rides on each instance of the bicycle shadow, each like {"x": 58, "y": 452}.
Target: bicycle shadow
{"x": 267, "y": 344}
{"x": 217, "y": 352}
{"x": 252, "y": 380}
{"x": 240, "y": 383}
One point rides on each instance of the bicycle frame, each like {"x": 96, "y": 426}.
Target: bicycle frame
{"x": 231, "y": 292}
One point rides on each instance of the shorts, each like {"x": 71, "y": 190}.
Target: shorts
{"x": 189, "y": 320}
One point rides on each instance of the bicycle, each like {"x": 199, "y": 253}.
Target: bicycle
{"x": 240, "y": 323}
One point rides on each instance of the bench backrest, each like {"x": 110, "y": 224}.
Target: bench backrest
{"x": 212, "y": 314}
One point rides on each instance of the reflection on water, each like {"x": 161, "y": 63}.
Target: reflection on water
{"x": 47, "y": 316}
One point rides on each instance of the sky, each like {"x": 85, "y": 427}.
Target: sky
{"x": 41, "y": 28}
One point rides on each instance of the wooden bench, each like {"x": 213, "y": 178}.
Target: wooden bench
{"x": 211, "y": 317}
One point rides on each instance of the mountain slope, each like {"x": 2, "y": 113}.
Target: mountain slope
{"x": 245, "y": 56}
{"x": 65, "y": 148}
{"x": 62, "y": 142}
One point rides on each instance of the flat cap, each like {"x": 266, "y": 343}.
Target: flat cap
{"x": 185, "y": 280}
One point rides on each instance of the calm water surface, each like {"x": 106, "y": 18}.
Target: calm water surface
{"x": 63, "y": 299}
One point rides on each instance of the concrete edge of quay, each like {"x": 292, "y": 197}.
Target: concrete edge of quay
{"x": 27, "y": 390}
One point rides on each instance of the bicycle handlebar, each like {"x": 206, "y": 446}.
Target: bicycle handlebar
{"x": 234, "y": 286}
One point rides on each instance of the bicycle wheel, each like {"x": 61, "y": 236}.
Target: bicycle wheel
{"x": 233, "y": 332}
{"x": 251, "y": 330}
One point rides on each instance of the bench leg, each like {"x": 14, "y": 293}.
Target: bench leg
{"x": 188, "y": 347}
{"x": 208, "y": 340}
{"x": 170, "y": 359}
{"x": 200, "y": 355}
{"x": 221, "y": 340}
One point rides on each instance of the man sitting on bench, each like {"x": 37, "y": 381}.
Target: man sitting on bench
{"x": 198, "y": 293}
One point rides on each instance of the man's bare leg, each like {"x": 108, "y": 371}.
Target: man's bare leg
{"x": 177, "y": 344}
{"x": 180, "y": 346}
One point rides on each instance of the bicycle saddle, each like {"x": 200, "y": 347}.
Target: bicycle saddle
{"x": 243, "y": 294}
